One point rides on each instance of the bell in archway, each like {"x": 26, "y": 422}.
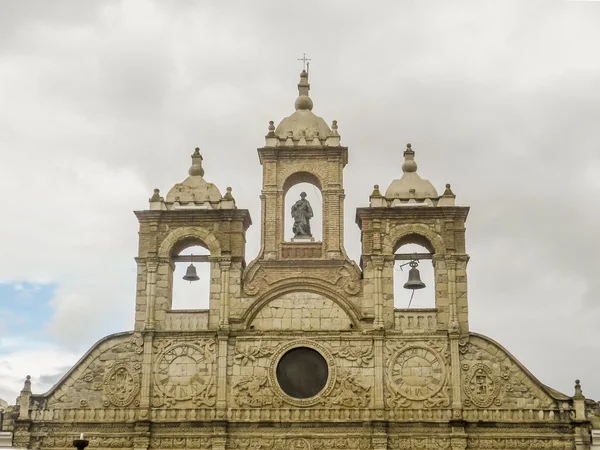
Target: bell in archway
{"x": 414, "y": 277}
{"x": 191, "y": 275}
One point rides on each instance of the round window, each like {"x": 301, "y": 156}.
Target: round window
{"x": 302, "y": 372}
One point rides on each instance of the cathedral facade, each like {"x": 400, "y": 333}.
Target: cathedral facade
{"x": 302, "y": 348}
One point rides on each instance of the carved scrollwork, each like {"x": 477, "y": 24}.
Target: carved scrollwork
{"x": 348, "y": 280}
{"x": 121, "y": 383}
{"x": 254, "y": 392}
{"x": 246, "y": 353}
{"x": 257, "y": 283}
{"x": 440, "y": 443}
{"x": 361, "y": 355}
{"x": 351, "y": 391}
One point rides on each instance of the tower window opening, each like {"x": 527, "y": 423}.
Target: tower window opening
{"x": 421, "y": 298}
{"x": 187, "y": 294}
{"x": 303, "y": 213}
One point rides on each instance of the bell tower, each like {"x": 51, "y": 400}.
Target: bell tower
{"x": 303, "y": 148}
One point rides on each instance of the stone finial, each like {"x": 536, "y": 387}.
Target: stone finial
{"x": 409, "y": 164}
{"x": 334, "y": 128}
{"x": 448, "y": 191}
{"x": 27, "y": 385}
{"x": 376, "y": 192}
{"x": 578, "y": 392}
{"x": 303, "y": 102}
{"x": 156, "y": 196}
{"x": 228, "y": 195}
{"x": 271, "y": 132}
{"x": 196, "y": 168}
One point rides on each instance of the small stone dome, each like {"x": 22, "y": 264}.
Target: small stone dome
{"x": 411, "y": 185}
{"x": 303, "y": 122}
{"x": 194, "y": 189}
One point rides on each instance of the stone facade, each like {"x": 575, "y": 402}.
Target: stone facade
{"x": 216, "y": 379}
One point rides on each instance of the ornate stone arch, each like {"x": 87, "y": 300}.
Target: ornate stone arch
{"x": 300, "y": 285}
{"x": 302, "y": 173}
{"x": 192, "y": 233}
{"x": 396, "y": 234}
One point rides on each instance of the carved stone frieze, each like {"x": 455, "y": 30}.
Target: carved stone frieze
{"x": 185, "y": 371}
{"x": 521, "y": 443}
{"x": 200, "y": 442}
{"x": 299, "y": 443}
{"x": 432, "y": 442}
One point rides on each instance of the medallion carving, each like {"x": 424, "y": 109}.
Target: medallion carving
{"x": 417, "y": 373}
{"x": 329, "y": 382}
{"x": 121, "y": 384}
{"x": 481, "y": 385}
{"x": 185, "y": 371}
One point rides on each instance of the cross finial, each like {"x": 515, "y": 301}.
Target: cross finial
{"x": 304, "y": 60}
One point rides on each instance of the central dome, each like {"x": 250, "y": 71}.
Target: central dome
{"x": 303, "y": 122}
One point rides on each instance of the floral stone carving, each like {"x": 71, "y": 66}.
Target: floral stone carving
{"x": 121, "y": 384}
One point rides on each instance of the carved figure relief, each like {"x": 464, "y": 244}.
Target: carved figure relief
{"x": 417, "y": 373}
{"x": 246, "y": 353}
{"x": 254, "y": 392}
{"x": 185, "y": 371}
{"x": 121, "y": 384}
{"x": 481, "y": 385}
{"x": 352, "y": 391}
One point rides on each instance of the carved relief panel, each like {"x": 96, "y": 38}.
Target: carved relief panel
{"x": 302, "y": 373}
{"x": 417, "y": 374}
{"x": 184, "y": 373}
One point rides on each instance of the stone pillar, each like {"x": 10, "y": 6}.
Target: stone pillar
{"x": 151, "y": 269}
{"x": 145, "y": 391}
{"x": 379, "y": 374}
{"x": 377, "y": 262}
{"x": 222, "y": 339}
{"x": 24, "y": 400}
{"x": 225, "y": 265}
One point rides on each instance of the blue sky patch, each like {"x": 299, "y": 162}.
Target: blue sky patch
{"x": 24, "y": 310}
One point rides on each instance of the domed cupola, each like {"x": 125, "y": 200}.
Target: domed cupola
{"x": 303, "y": 127}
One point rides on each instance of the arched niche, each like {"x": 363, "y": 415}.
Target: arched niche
{"x": 413, "y": 234}
{"x": 293, "y": 186}
{"x": 184, "y": 237}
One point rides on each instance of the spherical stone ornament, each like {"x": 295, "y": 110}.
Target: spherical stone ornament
{"x": 304, "y": 102}
{"x": 302, "y": 373}
{"x": 417, "y": 372}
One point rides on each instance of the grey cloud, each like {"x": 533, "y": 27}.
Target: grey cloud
{"x": 498, "y": 98}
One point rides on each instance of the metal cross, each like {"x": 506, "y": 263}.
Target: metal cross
{"x": 304, "y": 63}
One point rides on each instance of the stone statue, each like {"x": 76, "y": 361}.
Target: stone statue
{"x": 302, "y": 213}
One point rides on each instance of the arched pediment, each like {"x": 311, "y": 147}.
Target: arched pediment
{"x": 425, "y": 237}
{"x": 193, "y": 235}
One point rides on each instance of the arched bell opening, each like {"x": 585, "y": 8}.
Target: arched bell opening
{"x": 414, "y": 275}
{"x": 191, "y": 276}
{"x": 302, "y": 208}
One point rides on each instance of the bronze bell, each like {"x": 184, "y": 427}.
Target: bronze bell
{"x": 414, "y": 277}
{"x": 191, "y": 275}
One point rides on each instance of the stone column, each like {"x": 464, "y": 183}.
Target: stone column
{"x": 151, "y": 268}
{"x": 222, "y": 340}
{"x": 379, "y": 374}
{"x": 377, "y": 262}
{"x": 225, "y": 265}
{"x": 454, "y": 335}
{"x": 145, "y": 390}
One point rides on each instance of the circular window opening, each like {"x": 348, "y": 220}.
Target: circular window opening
{"x": 302, "y": 372}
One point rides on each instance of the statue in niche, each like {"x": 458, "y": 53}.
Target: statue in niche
{"x": 302, "y": 213}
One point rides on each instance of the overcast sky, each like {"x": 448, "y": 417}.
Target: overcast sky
{"x": 100, "y": 102}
